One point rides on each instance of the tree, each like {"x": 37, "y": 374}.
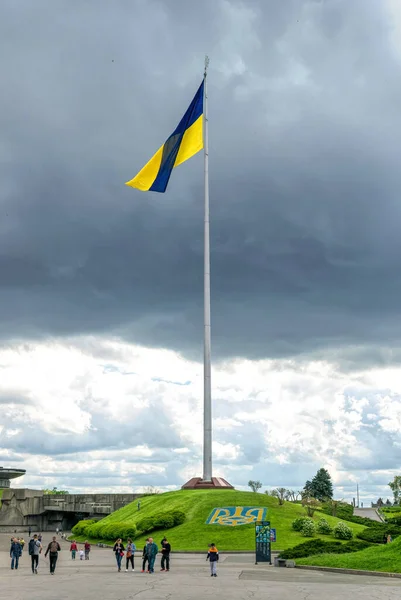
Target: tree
{"x": 281, "y": 494}
{"x": 150, "y": 491}
{"x": 55, "y": 492}
{"x": 310, "y": 505}
{"x": 254, "y": 485}
{"x": 307, "y": 491}
{"x": 388, "y": 503}
{"x": 334, "y": 504}
{"x": 321, "y": 486}
{"x": 293, "y": 496}
{"x": 395, "y": 486}
{"x": 380, "y": 502}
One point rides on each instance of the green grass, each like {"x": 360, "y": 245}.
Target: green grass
{"x": 386, "y": 557}
{"x": 195, "y": 535}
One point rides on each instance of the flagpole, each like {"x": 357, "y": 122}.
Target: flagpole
{"x": 207, "y": 384}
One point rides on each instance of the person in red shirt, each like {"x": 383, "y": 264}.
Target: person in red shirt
{"x": 87, "y": 550}
{"x": 73, "y": 549}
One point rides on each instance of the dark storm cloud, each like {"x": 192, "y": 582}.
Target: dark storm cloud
{"x": 304, "y": 174}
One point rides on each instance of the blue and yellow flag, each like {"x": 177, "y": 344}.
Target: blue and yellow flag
{"x": 184, "y": 142}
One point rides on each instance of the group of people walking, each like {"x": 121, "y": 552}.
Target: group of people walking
{"x": 150, "y": 551}
{"x": 149, "y": 554}
{"x": 34, "y": 549}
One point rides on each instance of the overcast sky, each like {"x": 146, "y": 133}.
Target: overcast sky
{"x": 101, "y": 285}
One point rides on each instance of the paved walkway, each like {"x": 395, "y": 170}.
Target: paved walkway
{"x": 369, "y": 513}
{"x": 189, "y": 579}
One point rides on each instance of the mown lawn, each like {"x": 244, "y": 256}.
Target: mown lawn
{"x": 386, "y": 557}
{"x": 195, "y": 535}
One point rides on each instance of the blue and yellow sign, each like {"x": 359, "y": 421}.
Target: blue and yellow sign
{"x": 236, "y": 515}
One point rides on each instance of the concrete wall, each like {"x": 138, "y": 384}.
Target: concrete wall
{"x": 24, "y": 508}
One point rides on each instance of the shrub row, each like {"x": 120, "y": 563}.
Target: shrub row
{"x": 81, "y": 527}
{"x": 376, "y": 534}
{"x": 107, "y": 530}
{"x": 308, "y": 528}
{"x": 318, "y": 546}
{"x": 165, "y": 520}
{"x": 345, "y": 512}
{"x": 394, "y": 521}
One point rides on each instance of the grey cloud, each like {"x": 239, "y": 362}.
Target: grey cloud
{"x": 304, "y": 176}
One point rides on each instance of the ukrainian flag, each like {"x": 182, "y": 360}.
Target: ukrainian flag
{"x": 184, "y": 142}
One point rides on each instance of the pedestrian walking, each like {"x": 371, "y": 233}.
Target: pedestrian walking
{"x": 130, "y": 551}
{"x": 34, "y": 549}
{"x": 22, "y": 542}
{"x": 151, "y": 552}
{"x": 145, "y": 556}
{"x": 81, "y": 555}
{"x": 40, "y": 537}
{"x": 118, "y": 550}
{"x": 87, "y": 548}
{"x": 15, "y": 553}
{"x": 29, "y": 532}
{"x": 213, "y": 557}
{"x": 166, "y": 549}
{"x": 389, "y": 539}
{"x": 73, "y": 549}
{"x": 52, "y": 550}
{"x": 57, "y": 530}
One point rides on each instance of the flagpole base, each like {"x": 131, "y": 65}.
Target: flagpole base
{"x": 216, "y": 483}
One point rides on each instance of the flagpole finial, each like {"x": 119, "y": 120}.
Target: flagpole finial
{"x": 207, "y": 61}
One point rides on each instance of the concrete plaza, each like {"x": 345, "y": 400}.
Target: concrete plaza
{"x": 189, "y": 578}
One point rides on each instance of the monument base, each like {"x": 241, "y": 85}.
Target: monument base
{"x": 217, "y": 483}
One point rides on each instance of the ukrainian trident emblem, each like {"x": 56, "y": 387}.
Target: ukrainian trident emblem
{"x": 232, "y": 516}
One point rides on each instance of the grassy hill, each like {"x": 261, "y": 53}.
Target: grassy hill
{"x": 195, "y": 535}
{"x": 386, "y": 557}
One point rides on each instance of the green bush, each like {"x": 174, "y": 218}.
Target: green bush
{"x": 298, "y": 523}
{"x": 317, "y": 546}
{"x": 376, "y": 534}
{"x": 112, "y": 531}
{"x": 342, "y": 532}
{"x": 345, "y": 512}
{"x": 145, "y": 525}
{"x": 161, "y": 521}
{"x": 342, "y": 510}
{"x": 323, "y": 527}
{"x": 82, "y": 527}
{"x": 394, "y": 521}
{"x": 308, "y": 528}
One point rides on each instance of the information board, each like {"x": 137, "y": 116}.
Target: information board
{"x": 263, "y": 542}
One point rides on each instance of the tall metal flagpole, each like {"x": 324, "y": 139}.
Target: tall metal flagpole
{"x": 207, "y": 385}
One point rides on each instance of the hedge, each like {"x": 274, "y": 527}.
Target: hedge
{"x": 106, "y": 530}
{"x": 318, "y": 546}
{"x": 82, "y": 526}
{"x": 376, "y": 534}
{"x": 165, "y": 520}
{"x": 345, "y": 512}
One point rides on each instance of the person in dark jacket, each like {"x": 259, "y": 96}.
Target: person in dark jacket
{"x": 213, "y": 557}
{"x": 53, "y": 549}
{"x": 166, "y": 549}
{"x": 15, "y": 553}
{"x": 145, "y": 556}
{"x": 118, "y": 550}
{"x": 151, "y": 552}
